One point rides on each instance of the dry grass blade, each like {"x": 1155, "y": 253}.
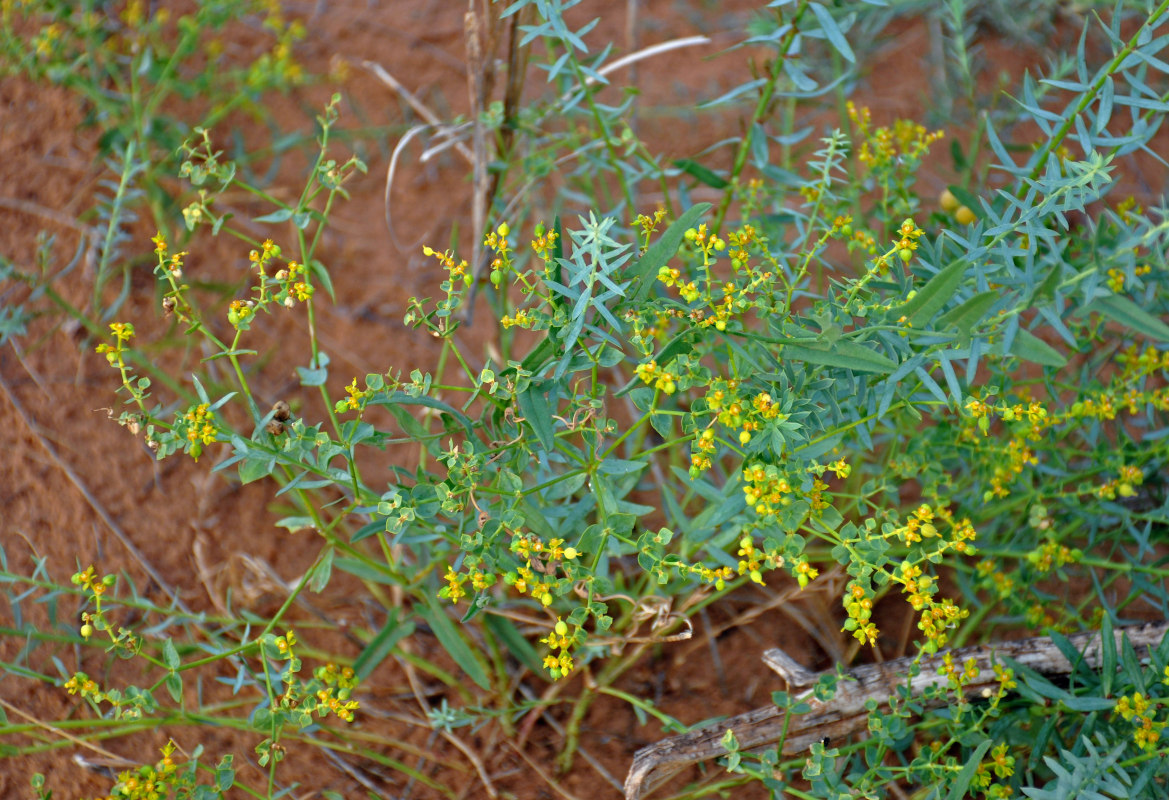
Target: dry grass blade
{"x": 419, "y": 107}
{"x": 640, "y": 55}
{"x": 390, "y": 170}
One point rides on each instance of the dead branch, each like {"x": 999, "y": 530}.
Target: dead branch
{"x": 845, "y": 713}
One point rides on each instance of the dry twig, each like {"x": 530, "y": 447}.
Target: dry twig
{"x": 845, "y": 713}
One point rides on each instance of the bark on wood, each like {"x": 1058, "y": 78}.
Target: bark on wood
{"x": 845, "y": 713}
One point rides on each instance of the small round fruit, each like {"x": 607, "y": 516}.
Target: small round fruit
{"x": 905, "y": 254}
{"x": 949, "y": 202}
{"x": 964, "y": 215}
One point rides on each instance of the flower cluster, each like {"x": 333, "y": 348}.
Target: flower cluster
{"x": 335, "y": 695}
{"x": 1051, "y": 556}
{"x": 906, "y": 142}
{"x": 958, "y": 677}
{"x": 1001, "y": 766}
{"x": 497, "y": 241}
{"x": 560, "y": 663}
{"x": 163, "y": 779}
{"x": 116, "y": 353}
{"x": 1141, "y": 712}
{"x": 752, "y": 560}
{"x": 198, "y": 426}
{"x": 1123, "y": 485}
{"x": 88, "y": 688}
{"x": 661, "y": 379}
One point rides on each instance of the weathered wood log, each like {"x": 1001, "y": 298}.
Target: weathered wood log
{"x": 845, "y": 713}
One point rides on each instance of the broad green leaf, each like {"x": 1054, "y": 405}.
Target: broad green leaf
{"x": 394, "y": 400}
{"x": 315, "y": 376}
{"x": 322, "y": 572}
{"x": 174, "y": 686}
{"x": 170, "y": 655}
{"x": 283, "y": 215}
{"x": 1030, "y": 347}
{"x": 936, "y": 293}
{"x": 620, "y": 466}
{"x": 967, "y": 315}
{"x": 541, "y": 354}
{"x": 537, "y": 411}
{"x": 645, "y": 271}
{"x": 225, "y": 773}
{"x": 253, "y": 469}
{"x": 1120, "y": 309}
{"x": 413, "y": 428}
{"x": 380, "y": 645}
{"x": 844, "y": 354}
{"x": 454, "y": 643}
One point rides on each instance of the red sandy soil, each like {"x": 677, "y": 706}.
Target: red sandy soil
{"x": 68, "y": 475}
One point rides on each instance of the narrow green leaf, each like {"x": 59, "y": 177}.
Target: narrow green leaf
{"x": 962, "y": 782}
{"x": 1132, "y": 665}
{"x": 833, "y": 32}
{"x": 936, "y": 293}
{"x": 1120, "y": 309}
{"x": 1088, "y": 704}
{"x": 1107, "y": 655}
{"x": 380, "y": 645}
{"x": 454, "y": 643}
{"x": 503, "y": 630}
{"x": 322, "y": 274}
{"x": 1030, "y": 347}
{"x": 845, "y": 355}
{"x": 645, "y": 271}
{"x": 701, "y": 173}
